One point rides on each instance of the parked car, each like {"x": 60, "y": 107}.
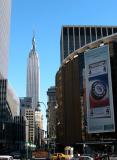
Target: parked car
{"x": 59, "y": 156}
{"x": 83, "y": 157}
{"x": 113, "y": 157}
{"x": 16, "y": 155}
{"x": 5, "y": 157}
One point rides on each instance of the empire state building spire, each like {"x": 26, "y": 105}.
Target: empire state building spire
{"x": 33, "y": 43}
{"x": 33, "y": 75}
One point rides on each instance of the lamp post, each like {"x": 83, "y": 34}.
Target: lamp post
{"x": 27, "y": 139}
{"x": 27, "y": 145}
{"x": 27, "y": 151}
{"x": 43, "y": 104}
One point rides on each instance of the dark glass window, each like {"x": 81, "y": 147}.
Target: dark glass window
{"x": 76, "y": 38}
{"x": 98, "y": 33}
{"x": 115, "y": 30}
{"x": 104, "y": 32}
{"x": 82, "y": 37}
{"x": 88, "y": 35}
{"x": 71, "y": 42}
{"x": 93, "y": 34}
{"x": 109, "y": 31}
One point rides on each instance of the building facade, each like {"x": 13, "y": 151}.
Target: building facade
{"x": 13, "y": 101}
{"x": 51, "y": 117}
{"x": 38, "y": 127}
{"x": 71, "y": 88}
{"x": 27, "y": 111}
{"x": 68, "y": 100}
{"x": 6, "y": 117}
{"x": 33, "y": 76}
{"x": 21, "y": 132}
{"x": 74, "y": 37}
{"x": 5, "y": 12}
{"x": 39, "y": 119}
{"x": 26, "y": 102}
{"x": 9, "y": 102}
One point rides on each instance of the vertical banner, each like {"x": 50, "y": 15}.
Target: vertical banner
{"x": 99, "y": 97}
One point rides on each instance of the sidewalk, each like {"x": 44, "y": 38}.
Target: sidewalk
{"x": 40, "y": 154}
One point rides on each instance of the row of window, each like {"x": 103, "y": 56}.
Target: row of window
{"x": 76, "y": 37}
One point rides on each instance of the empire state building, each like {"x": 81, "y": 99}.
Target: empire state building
{"x": 33, "y": 75}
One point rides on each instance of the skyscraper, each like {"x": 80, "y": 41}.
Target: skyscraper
{"x": 33, "y": 75}
{"x": 52, "y": 107}
{"x": 9, "y": 103}
{"x": 5, "y": 12}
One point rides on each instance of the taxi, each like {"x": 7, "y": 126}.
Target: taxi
{"x": 59, "y": 156}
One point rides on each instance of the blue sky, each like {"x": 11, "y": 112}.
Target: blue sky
{"x": 45, "y": 18}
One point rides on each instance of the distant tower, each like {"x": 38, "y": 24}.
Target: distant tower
{"x": 33, "y": 75}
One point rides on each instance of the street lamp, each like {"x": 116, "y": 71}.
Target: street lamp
{"x": 43, "y": 104}
{"x": 40, "y": 102}
{"x": 27, "y": 145}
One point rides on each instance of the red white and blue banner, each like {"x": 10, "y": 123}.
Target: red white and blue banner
{"x": 99, "y": 97}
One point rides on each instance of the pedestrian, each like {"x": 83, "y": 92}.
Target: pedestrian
{"x": 49, "y": 154}
{"x": 58, "y": 157}
{"x": 97, "y": 157}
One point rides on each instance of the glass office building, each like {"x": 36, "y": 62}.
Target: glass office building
{"x": 5, "y": 12}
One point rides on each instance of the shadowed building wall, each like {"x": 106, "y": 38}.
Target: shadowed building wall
{"x": 69, "y": 111}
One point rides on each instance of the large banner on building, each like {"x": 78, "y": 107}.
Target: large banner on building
{"x": 99, "y": 97}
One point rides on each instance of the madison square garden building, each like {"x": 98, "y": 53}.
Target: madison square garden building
{"x": 86, "y": 91}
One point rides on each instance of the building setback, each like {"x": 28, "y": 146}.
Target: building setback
{"x": 75, "y": 37}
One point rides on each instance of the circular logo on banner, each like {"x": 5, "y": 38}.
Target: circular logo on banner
{"x": 98, "y": 90}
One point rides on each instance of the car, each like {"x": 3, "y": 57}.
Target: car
{"x": 16, "y": 155}
{"x": 113, "y": 157}
{"x": 57, "y": 156}
{"x": 6, "y": 157}
{"x": 83, "y": 157}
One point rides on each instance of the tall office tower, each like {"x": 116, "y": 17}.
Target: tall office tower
{"x": 5, "y": 12}
{"x": 51, "y": 117}
{"x": 75, "y": 37}
{"x": 33, "y": 76}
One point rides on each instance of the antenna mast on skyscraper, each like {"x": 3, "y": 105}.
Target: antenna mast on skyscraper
{"x": 33, "y": 41}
